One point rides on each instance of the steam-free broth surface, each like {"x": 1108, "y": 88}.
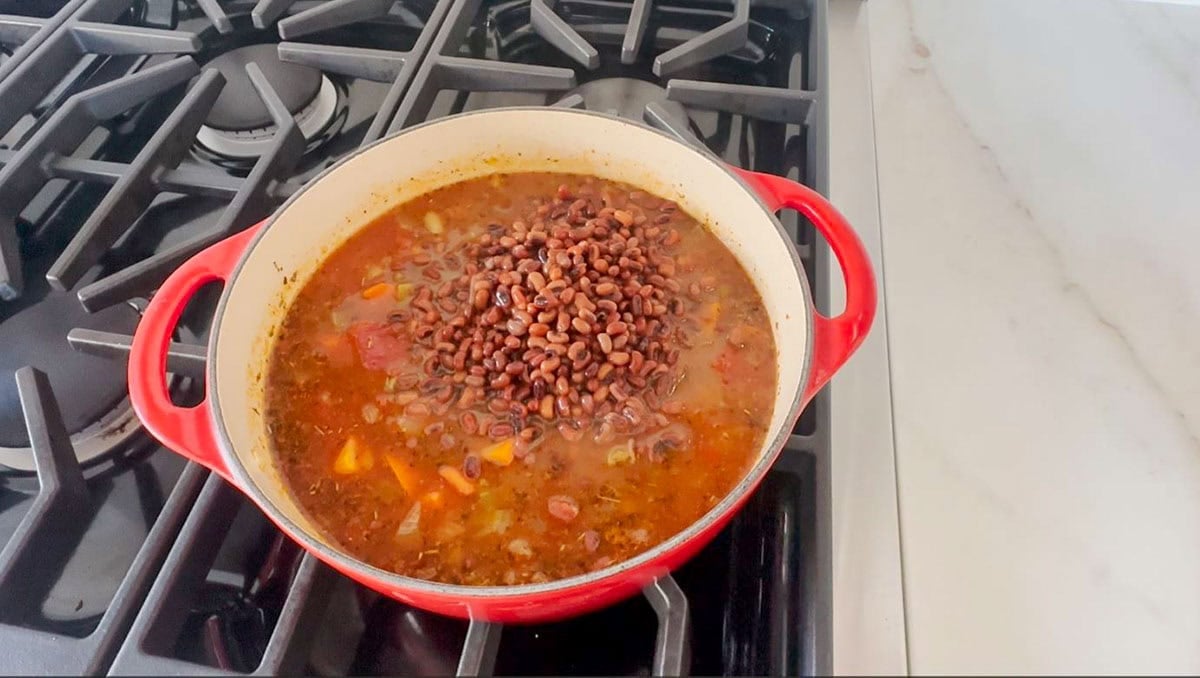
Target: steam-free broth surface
{"x": 520, "y": 378}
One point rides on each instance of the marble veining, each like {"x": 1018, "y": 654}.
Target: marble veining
{"x": 1038, "y": 172}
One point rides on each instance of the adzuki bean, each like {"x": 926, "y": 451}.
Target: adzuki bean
{"x": 552, "y": 316}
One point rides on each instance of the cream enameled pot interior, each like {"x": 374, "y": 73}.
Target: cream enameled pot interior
{"x": 346, "y": 198}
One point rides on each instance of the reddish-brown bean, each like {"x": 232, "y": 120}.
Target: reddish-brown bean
{"x": 531, "y": 298}
{"x": 576, "y": 351}
{"x": 500, "y": 430}
{"x": 563, "y": 508}
{"x": 591, "y": 541}
{"x": 472, "y": 468}
{"x": 469, "y": 423}
{"x": 569, "y": 432}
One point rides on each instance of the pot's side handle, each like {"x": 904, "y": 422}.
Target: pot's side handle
{"x": 834, "y": 339}
{"x": 186, "y": 430}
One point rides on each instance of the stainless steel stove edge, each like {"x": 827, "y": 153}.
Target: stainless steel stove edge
{"x": 868, "y": 617}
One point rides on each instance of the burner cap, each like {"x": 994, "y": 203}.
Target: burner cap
{"x": 626, "y": 97}
{"x": 87, "y": 387}
{"x": 238, "y": 106}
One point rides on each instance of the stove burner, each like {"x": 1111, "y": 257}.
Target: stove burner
{"x": 626, "y": 97}
{"x": 412, "y": 641}
{"x": 240, "y": 127}
{"x": 91, "y": 391}
{"x": 93, "y": 574}
{"x": 238, "y": 107}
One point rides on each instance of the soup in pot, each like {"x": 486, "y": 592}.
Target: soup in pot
{"x": 520, "y": 378}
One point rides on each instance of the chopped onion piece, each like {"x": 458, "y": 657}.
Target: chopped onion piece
{"x": 338, "y": 319}
{"x": 621, "y": 454}
{"x": 433, "y": 222}
{"x": 500, "y": 521}
{"x": 403, "y": 291}
{"x": 411, "y": 520}
{"x": 370, "y": 413}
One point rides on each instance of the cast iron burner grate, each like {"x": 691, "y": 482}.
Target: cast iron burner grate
{"x": 102, "y": 102}
{"x": 114, "y": 105}
{"x": 75, "y": 105}
{"x": 71, "y": 573}
{"x": 91, "y": 39}
{"x": 24, "y": 24}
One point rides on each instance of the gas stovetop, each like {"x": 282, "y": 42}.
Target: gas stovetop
{"x": 134, "y": 133}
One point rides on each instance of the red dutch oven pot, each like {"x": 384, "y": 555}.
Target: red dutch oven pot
{"x": 264, "y": 266}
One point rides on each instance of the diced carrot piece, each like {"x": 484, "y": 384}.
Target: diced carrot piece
{"x": 433, "y": 499}
{"x": 500, "y": 454}
{"x": 352, "y": 458}
{"x": 404, "y": 474}
{"x": 376, "y": 290}
{"x": 456, "y": 479}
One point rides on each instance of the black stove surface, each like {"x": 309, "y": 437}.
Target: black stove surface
{"x": 136, "y": 132}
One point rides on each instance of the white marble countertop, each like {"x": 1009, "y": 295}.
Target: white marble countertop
{"x": 1038, "y": 196}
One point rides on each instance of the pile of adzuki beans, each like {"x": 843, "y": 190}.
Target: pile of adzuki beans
{"x": 570, "y": 318}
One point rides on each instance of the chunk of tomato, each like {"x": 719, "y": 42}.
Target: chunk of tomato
{"x": 379, "y": 348}
{"x": 742, "y": 366}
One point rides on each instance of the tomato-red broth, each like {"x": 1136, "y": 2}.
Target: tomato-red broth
{"x": 390, "y": 443}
